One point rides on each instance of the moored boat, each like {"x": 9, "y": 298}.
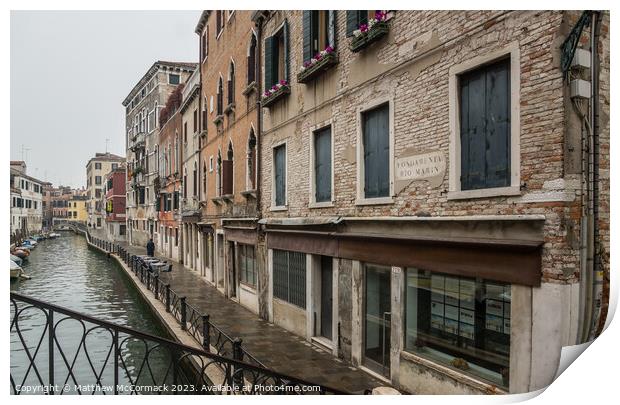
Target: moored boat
{"x": 17, "y": 259}
{"x": 16, "y": 270}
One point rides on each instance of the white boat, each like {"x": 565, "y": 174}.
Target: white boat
{"x": 54, "y": 235}
{"x": 17, "y": 260}
{"x": 16, "y": 270}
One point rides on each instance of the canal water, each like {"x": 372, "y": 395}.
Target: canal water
{"x": 64, "y": 271}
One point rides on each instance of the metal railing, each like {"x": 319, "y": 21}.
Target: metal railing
{"x": 124, "y": 361}
{"x": 196, "y": 323}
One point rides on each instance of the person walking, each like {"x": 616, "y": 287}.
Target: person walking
{"x": 150, "y": 248}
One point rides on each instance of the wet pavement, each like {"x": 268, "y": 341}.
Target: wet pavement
{"x": 272, "y": 345}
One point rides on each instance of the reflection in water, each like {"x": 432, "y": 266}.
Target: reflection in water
{"x": 65, "y": 272}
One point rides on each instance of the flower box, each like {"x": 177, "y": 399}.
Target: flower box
{"x": 311, "y": 72}
{"x": 276, "y": 93}
{"x": 378, "y": 30}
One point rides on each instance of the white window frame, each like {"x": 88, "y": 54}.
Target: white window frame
{"x": 211, "y": 164}
{"x": 312, "y": 180}
{"x": 275, "y": 207}
{"x": 454, "y": 190}
{"x": 360, "y": 198}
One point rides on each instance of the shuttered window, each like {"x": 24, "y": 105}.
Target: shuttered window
{"x": 323, "y": 164}
{"x": 252, "y": 60}
{"x": 247, "y": 264}
{"x": 318, "y": 31}
{"x": 376, "y": 144}
{"x": 354, "y": 19}
{"x": 485, "y": 127}
{"x": 279, "y": 160}
{"x": 276, "y": 57}
{"x": 289, "y": 277}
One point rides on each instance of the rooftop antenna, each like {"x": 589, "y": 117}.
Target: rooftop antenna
{"x": 107, "y": 140}
{"x": 24, "y": 152}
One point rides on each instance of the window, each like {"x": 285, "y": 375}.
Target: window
{"x": 252, "y": 60}
{"x": 276, "y": 57}
{"x": 323, "y": 165}
{"x": 220, "y": 97}
{"x": 485, "y": 126}
{"x": 219, "y": 22}
{"x": 195, "y": 181}
{"x": 204, "y": 44}
{"x": 114, "y": 166}
{"x": 231, "y": 83}
{"x": 318, "y": 31}
{"x": 251, "y": 180}
{"x": 176, "y": 236}
{"x": 185, "y": 132}
{"x": 227, "y": 171}
{"x": 279, "y": 161}
{"x": 210, "y": 164}
{"x": 289, "y": 277}
{"x": 355, "y": 18}
{"x": 204, "y": 180}
{"x": 98, "y": 180}
{"x": 460, "y": 322}
{"x": 195, "y": 126}
{"x": 376, "y": 152}
{"x": 97, "y": 193}
{"x": 97, "y": 166}
{"x": 247, "y": 264}
{"x": 184, "y": 183}
{"x": 141, "y": 195}
{"x": 174, "y": 79}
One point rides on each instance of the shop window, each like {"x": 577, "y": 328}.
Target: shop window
{"x": 247, "y": 264}
{"x": 460, "y": 322}
{"x": 289, "y": 277}
{"x": 276, "y": 57}
{"x": 485, "y": 126}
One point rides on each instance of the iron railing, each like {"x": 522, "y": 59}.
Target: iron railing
{"x": 196, "y": 323}
{"x": 124, "y": 361}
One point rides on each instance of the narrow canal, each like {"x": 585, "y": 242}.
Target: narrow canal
{"x": 65, "y": 272}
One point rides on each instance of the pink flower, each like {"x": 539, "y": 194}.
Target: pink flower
{"x": 266, "y": 94}
{"x": 329, "y": 49}
{"x": 317, "y": 56}
{"x": 364, "y": 27}
{"x": 306, "y": 64}
{"x": 274, "y": 87}
{"x": 380, "y": 15}
{"x": 283, "y": 82}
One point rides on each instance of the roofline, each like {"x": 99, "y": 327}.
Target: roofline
{"x": 201, "y": 21}
{"x": 109, "y": 158}
{"x": 24, "y": 175}
{"x": 152, "y": 70}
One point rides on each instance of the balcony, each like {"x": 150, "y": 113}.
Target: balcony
{"x": 138, "y": 142}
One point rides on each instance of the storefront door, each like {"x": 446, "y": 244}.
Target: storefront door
{"x": 326, "y": 297}
{"x": 377, "y": 317}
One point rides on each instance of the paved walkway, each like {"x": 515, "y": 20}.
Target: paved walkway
{"x": 274, "y": 346}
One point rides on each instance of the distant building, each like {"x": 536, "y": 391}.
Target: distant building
{"x": 47, "y": 206}
{"x": 76, "y": 210}
{"x": 116, "y": 227}
{"x": 26, "y": 201}
{"x": 142, "y": 117}
{"x": 96, "y": 170}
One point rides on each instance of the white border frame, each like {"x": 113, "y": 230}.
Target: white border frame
{"x": 312, "y": 203}
{"x": 454, "y": 190}
{"x": 360, "y": 199}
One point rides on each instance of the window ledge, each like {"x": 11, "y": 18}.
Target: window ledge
{"x": 484, "y": 193}
{"x": 460, "y": 377}
{"x": 249, "y": 89}
{"x": 217, "y": 200}
{"x": 218, "y": 119}
{"x": 278, "y": 208}
{"x": 320, "y": 66}
{"x": 247, "y": 287}
{"x": 229, "y": 108}
{"x": 280, "y": 93}
{"x": 227, "y": 198}
{"x": 374, "y": 201}
{"x": 323, "y": 204}
{"x": 249, "y": 194}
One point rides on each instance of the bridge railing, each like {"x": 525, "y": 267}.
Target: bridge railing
{"x": 112, "y": 359}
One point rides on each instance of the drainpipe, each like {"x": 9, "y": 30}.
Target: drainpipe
{"x": 259, "y": 110}
{"x": 597, "y": 279}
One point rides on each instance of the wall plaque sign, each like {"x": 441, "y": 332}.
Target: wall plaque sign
{"x": 415, "y": 166}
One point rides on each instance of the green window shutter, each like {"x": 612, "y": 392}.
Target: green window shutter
{"x": 269, "y": 52}
{"x": 307, "y": 26}
{"x": 286, "y": 52}
{"x": 352, "y": 17}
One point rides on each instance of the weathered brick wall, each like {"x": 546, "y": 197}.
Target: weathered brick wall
{"x": 232, "y": 44}
{"x": 411, "y": 67}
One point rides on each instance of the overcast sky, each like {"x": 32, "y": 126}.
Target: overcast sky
{"x": 70, "y": 72}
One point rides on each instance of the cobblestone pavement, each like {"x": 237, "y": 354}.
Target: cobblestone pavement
{"x": 274, "y": 346}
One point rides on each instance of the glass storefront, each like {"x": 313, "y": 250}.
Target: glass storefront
{"x": 460, "y": 322}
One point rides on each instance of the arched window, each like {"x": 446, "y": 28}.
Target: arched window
{"x": 227, "y": 171}
{"x": 204, "y": 181}
{"x": 176, "y": 152}
{"x": 195, "y": 180}
{"x": 252, "y": 60}
{"x": 220, "y": 97}
{"x": 184, "y": 183}
{"x": 218, "y": 174}
{"x": 231, "y": 83}
{"x": 251, "y": 176}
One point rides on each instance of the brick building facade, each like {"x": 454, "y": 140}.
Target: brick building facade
{"x": 382, "y": 208}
